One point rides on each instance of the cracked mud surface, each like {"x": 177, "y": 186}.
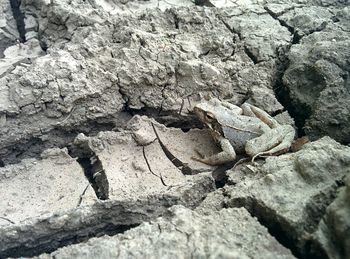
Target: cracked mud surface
{"x": 97, "y": 134}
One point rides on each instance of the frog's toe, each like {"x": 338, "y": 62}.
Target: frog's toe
{"x": 200, "y": 159}
{"x": 199, "y": 153}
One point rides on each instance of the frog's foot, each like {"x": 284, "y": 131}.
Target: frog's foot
{"x": 227, "y": 154}
{"x": 199, "y": 153}
{"x": 276, "y": 141}
{"x": 216, "y": 159}
{"x": 240, "y": 162}
{"x": 271, "y": 152}
{"x": 199, "y": 159}
{"x": 262, "y": 154}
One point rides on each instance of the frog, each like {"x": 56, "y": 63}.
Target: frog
{"x": 244, "y": 129}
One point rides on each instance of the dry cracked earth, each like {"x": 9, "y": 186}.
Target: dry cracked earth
{"x": 97, "y": 133}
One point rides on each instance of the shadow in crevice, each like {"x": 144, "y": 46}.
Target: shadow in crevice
{"x": 93, "y": 169}
{"x": 19, "y": 17}
{"x": 268, "y": 218}
{"x": 24, "y": 251}
{"x": 56, "y": 138}
{"x": 297, "y": 238}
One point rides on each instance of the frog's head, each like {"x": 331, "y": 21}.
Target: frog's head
{"x": 205, "y": 113}
{"x": 213, "y": 112}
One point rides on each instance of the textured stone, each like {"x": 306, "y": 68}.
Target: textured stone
{"x": 88, "y": 66}
{"x": 317, "y": 76}
{"x": 132, "y": 170}
{"x": 294, "y": 190}
{"x": 229, "y": 233}
{"x": 97, "y": 64}
{"x": 34, "y": 187}
{"x": 8, "y": 27}
{"x": 332, "y": 238}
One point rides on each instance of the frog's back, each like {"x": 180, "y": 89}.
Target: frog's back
{"x": 240, "y": 129}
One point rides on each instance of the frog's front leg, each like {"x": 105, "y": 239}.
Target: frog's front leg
{"x": 274, "y": 141}
{"x": 226, "y": 155}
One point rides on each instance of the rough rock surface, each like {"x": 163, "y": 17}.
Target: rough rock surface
{"x": 186, "y": 234}
{"x": 37, "y": 187}
{"x": 96, "y": 64}
{"x": 133, "y": 164}
{"x": 8, "y": 27}
{"x": 72, "y": 74}
{"x": 332, "y": 238}
{"x": 294, "y": 190}
{"x": 317, "y": 78}
{"x": 119, "y": 170}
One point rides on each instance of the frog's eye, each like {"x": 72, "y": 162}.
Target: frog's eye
{"x": 209, "y": 116}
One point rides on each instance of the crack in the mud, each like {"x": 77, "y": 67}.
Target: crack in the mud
{"x": 231, "y": 29}
{"x": 2, "y": 164}
{"x": 206, "y": 3}
{"x": 94, "y": 172}
{"x": 285, "y": 233}
{"x": 81, "y": 197}
{"x": 250, "y": 55}
{"x": 280, "y": 90}
{"x": 261, "y": 212}
{"x": 78, "y": 225}
{"x": 150, "y": 169}
{"x": 59, "y": 137}
{"x": 8, "y": 220}
{"x": 296, "y": 37}
{"x": 283, "y": 96}
{"x": 184, "y": 168}
{"x": 24, "y": 251}
{"x": 19, "y": 18}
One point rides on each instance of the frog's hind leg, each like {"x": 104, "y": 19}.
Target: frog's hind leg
{"x": 276, "y": 141}
{"x": 253, "y": 111}
{"x": 226, "y": 155}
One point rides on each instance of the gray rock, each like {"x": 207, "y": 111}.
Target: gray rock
{"x": 48, "y": 232}
{"x": 317, "y": 77}
{"x": 97, "y": 64}
{"x": 8, "y": 27}
{"x": 136, "y": 183}
{"x": 229, "y": 233}
{"x": 34, "y": 187}
{"x": 294, "y": 190}
{"x": 134, "y": 164}
{"x": 332, "y": 238}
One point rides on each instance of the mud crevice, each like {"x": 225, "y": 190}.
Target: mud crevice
{"x": 150, "y": 169}
{"x": 281, "y": 91}
{"x": 59, "y": 137}
{"x": 293, "y": 237}
{"x": 93, "y": 169}
{"x": 169, "y": 118}
{"x": 24, "y": 251}
{"x": 78, "y": 225}
{"x": 301, "y": 112}
{"x": 296, "y": 38}
{"x": 81, "y": 197}
{"x": 269, "y": 219}
{"x": 251, "y": 56}
{"x": 283, "y": 96}
{"x": 19, "y": 18}
{"x": 8, "y": 220}
{"x": 183, "y": 167}
{"x": 231, "y": 29}
{"x": 206, "y": 3}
